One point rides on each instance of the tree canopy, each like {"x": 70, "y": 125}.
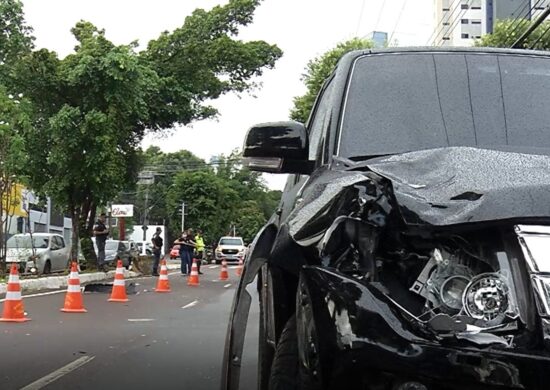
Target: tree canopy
{"x": 506, "y": 32}
{"x": 91, "y": 109}
{"x": 316, "y": 72}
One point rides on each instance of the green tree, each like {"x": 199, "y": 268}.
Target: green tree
{"x": 14, "y": 121}
{"x": 210, "y": 203}
{"x": 506, "y": 33}
{"x": 15, "y": 37}
{"x": 92, "y": 108}
{"x": 316, "y": 72}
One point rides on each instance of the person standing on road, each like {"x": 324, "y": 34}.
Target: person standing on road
{"x": 187, "y": 246}
{"x": 101, "y": 233}
{"x": 157, "y": 248}
{"x": 199, "y": 241}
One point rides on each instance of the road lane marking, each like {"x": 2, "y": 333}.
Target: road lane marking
{"x": 227, "y": 285}
{"x": 141, "y": 319}
{"x": 190, "y": 305}
{"x": 46, "y": 380}
{"x": 214, "y": 266}
{"x": 40, "y": 294}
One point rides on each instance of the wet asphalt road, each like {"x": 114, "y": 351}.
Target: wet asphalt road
{"x": 168, "y": 341}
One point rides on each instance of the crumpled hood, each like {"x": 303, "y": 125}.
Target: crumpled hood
{"x": 437, "y": 187}
{"x": 459, "y": 185}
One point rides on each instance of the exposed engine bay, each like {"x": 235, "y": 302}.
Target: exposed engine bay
{"x": 452, "y": 284}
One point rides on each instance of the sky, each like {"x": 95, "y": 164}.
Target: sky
{"x": 303, "y": 29}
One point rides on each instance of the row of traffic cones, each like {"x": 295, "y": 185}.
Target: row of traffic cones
{"x": 14, "y": 310}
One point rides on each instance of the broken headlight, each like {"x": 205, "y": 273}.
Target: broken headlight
{"x": 535, "y": 244}
{"x": 486, "y": 298}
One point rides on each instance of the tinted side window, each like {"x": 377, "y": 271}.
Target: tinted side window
{"x": 319, "y": 124}
{"x": 61, "y": 242}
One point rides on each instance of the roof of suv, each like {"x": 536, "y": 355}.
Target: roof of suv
{"x": 352, "y": 55}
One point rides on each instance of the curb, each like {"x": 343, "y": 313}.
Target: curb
{"x": 59, "y": 282}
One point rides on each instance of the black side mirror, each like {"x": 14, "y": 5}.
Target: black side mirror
{"x": 278, "y": 147}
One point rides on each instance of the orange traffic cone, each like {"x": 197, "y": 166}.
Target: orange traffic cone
{"x": 224, "y": 275}
{"x": 119, "y": 288}
{"x": 194, "y": 277}
{"x": 73, "y": 298}
{"x": 163, "y": 285}
{"x": 240, "y": 267}
{"x": 13, "y": 305}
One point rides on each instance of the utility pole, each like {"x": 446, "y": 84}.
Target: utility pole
{"x": 145, "y": 178}
{"x": 518, "y": 44}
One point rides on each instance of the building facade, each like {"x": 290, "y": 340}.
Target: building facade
{"x": 461, "y": 22}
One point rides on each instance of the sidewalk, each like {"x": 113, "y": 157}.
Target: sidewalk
{"x": 59, "y": 282}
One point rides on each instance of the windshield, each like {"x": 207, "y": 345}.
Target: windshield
{"x": 231, "y": 241}
{"x": 404, "y": 102}
{"x": 25, "y": 242}
{"x": 111, "y": 245}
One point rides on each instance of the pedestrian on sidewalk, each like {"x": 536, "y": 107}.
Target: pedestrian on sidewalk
{"x": 157, "y": 249}
{"x": 101, "y": 233}
{"x": 199, "y": 249}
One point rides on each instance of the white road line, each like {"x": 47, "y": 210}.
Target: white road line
{"x": 141, "y": 319}
{"x": 46, "y": 380}
{"x": 190, "y": 305}
{"x": 214, "y": 266}
{"x": 227, "y": 285}
{"x": 41, "y": 294}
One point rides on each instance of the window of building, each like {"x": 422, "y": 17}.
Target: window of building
{"x": 463, "y": 6}
{"x": 476, "y": 21}
{"x": 464, "y": 35}
{"x": 446, "y": 9}
{"x": 464, "y": 21}
{"x": 476, "y": 7}
{"x": 445, "y": 38}
{"x": 445, "y": 23}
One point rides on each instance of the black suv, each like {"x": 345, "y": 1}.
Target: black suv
{"x": 411, "y": 247}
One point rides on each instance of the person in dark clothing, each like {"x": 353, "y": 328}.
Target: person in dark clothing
{"x": 157, "y": 248}
{"x": 187, "y": 246}
{"x": 101, "y": 233}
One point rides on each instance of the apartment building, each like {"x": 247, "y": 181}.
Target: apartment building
{"x": 460, "y": 22}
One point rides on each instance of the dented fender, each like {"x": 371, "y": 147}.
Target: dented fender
{"x": 362, "y": 330}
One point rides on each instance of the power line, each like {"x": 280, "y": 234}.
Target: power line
{"x": 540, "y": 37}
{"x": 522, "y": 21}
{"x": 398, "y": 20}
{"x": 379, "y": 15}
{"x": 457, "y": 19}
{"x": 439, "y": 26}
{"x": 360, "y": 18}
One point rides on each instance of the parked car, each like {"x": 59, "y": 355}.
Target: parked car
{"x": 116, "y": 250}
{"x": 230, "y": 248}
{"x": 410, "y": 247}
{"x": 148, "y": 248}
{"x": 40, "y": 253}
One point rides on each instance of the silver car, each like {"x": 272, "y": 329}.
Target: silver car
{"x": 38, "y": 253}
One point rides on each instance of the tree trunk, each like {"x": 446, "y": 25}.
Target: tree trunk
{"x": 86, "y": 224}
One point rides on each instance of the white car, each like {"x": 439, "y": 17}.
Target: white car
{"x": 230, "y": 249}
{"x": 43, "y": 253}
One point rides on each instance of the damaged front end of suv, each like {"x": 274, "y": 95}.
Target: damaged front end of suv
{"x": 428, "y": 281}
{"x": 418, "y": 275}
